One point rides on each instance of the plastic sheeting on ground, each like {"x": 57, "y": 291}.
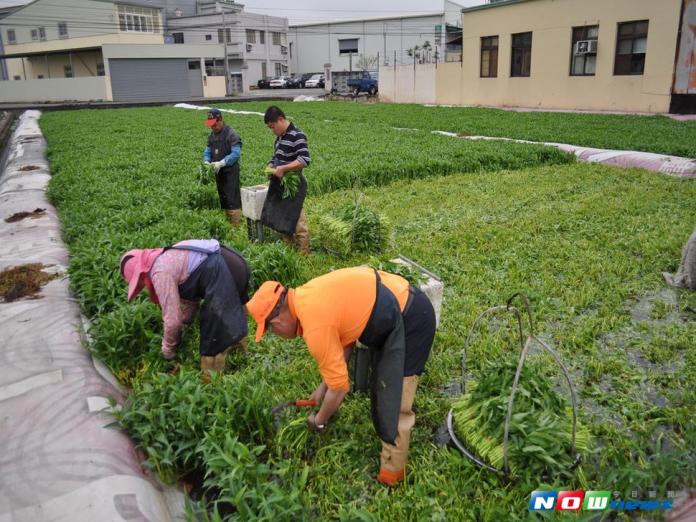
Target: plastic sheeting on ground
{"x": 59, "y": 462}
{"x": 204, "y": 108}
{"x": 670, "y": 165}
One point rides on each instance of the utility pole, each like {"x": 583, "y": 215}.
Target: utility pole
{"x": 227, "y": 65}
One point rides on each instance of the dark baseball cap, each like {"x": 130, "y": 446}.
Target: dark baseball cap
{"x": 213, "y": 116}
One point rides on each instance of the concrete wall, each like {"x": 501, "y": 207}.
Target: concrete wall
{"x": 214, "y": 87}
{"x": 163, "y": 51}
{"x": 315, "y": 45}
{"x": 550, "y": 84}
{"x": 58, "y": 89}
{"x": 408, "y": 84}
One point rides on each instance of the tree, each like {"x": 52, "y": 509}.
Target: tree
{"x": 366, "y": 63}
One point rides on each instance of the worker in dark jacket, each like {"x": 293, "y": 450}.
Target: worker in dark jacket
{"x": 382, "y": 311}
{"x": 177, "y": 278}
{"x": 223, "y": 152}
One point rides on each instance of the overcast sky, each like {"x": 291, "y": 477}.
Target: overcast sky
{"x": 305, "y": 11}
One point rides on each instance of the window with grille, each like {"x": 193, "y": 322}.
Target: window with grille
{"x": 251, "y": 36}
{"x": 178, "y": 38}
{"x": 100, "y": 69}
{"x": 631, "y": 46}
{"x": 67, "y": 69}
{"x": 62, "y": 30}
{"x": 11, "y": 37}
{"x": 278, "y": 69}
{"x": 224, "y": 36}
{"x": 521, "y": 63}
{"x": 583, "y": 64}
{"x": 276, "y": 38}
{"x": 34, "y": 34}
{"x": 42, "y": 33}
{"x": 489, "y": 57}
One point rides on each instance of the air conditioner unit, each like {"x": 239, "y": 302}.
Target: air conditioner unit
{"x": 249, "y": 47}
{"x": 586, "y": 47}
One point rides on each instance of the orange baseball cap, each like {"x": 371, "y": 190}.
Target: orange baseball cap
{"x": 262, "y": 304}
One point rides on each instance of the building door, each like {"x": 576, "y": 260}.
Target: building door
{"x": 236, "y": 85}
{"x": 154, "y": 79}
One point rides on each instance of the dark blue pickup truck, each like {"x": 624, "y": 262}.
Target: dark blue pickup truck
{"x": 368, "y": 83}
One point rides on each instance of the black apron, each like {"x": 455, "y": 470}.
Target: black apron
{"x": 282, "y": 214}
{"x": 384, "y": 336}
{"x": 228, "y": 187}
{"x": 222, "y": 318}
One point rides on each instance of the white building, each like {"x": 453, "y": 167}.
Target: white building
{"x": 422, "y": 37}
{"x": 100, "y": 50}
{"x": 257, "y": 45}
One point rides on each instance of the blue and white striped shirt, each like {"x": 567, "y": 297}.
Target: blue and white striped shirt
{"x": 291, "y": 146}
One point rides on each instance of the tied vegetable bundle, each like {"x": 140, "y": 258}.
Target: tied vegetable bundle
{"x": 290, "y": 182}
{"x": 355, "y": 227}
{"x": 540, "y": 427}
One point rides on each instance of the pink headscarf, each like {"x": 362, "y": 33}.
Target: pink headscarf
{"x": 135, "y": 269}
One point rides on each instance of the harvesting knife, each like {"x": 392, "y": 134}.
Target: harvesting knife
{"x": 299, "y": 403}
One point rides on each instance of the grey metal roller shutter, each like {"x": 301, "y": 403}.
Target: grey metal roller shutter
{"x": 153, "y": 79}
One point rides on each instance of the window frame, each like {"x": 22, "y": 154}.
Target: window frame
{"x": 251, "y": 36}
{"x": 262, "y": 37}
{"x": 68, "y": 71}
{"x": 133, "y": 19}
{"x": 34, "y": 33}
{"x": 278, "y": 69}
{"x": 42, "y": 34}
{"x": 224, "y": 33}
{"x": 632, "y": 38}
{"x": 100, "y": 69}
{"x": 275, "y": 38}
{"x": 13, "y": 40}
{"x": 492, "y": 51}
{"x": 63, "y": 30}
{"x": 585, "y": 30}
{"x": 525, "y": 50}
{"x": 178, "y": 36}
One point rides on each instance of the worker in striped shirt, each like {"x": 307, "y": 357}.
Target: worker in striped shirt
{"x": 291, "y": 155}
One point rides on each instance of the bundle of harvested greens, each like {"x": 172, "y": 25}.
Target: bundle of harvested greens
{"x": 540, "y": 428}
{"x": 355, "y": 227}
{"x": 414, "y": 277}
{"x": 206, "y": 173}
{"x": 290, "y": 182}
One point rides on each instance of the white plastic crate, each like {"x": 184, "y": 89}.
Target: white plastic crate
{"x": 433, "y": 287}
{"x": 253, "y": 199}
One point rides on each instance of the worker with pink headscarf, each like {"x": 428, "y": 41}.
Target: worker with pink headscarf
{"x": 177, "y": 278}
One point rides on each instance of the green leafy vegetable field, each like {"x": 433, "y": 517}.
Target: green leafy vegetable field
{"x": 586, "y": 243}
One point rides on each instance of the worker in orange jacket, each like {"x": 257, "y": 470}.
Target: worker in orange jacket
{"x": 394, "y": 319}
